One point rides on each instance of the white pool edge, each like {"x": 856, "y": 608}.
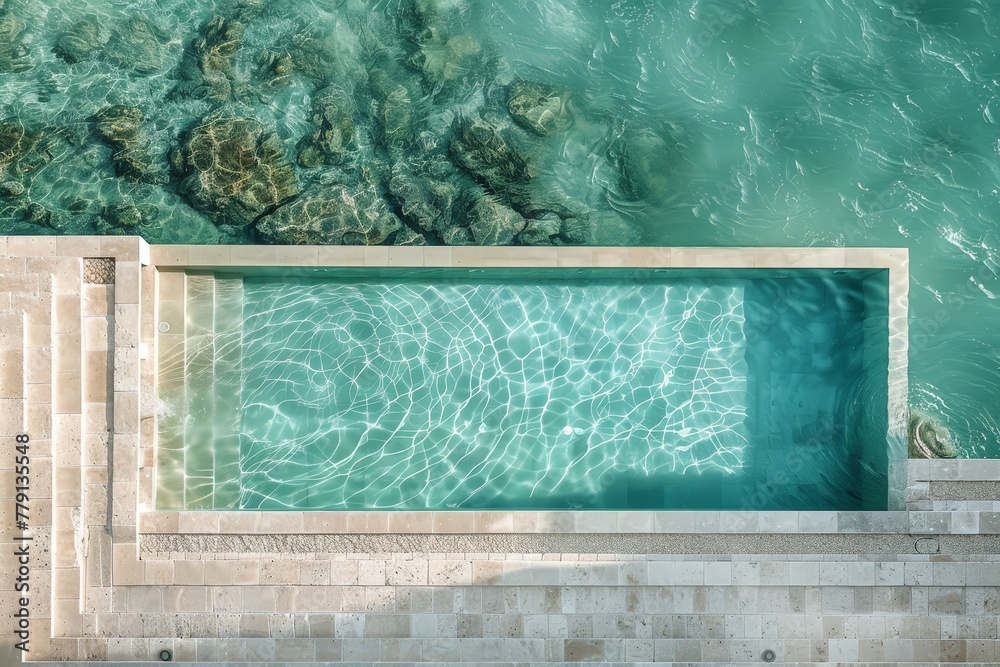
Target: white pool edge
{"x": 193, "y": 257}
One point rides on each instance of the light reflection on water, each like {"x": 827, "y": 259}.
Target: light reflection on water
{"x": 510, "y": 394}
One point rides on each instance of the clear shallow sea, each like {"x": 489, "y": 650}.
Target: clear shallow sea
{"x": 780, "y": 123}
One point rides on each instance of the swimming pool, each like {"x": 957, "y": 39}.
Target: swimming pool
{"x": 524, "y": 389}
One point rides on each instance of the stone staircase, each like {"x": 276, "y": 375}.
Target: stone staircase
{"x": 69, "y": 355}
{"x": 200, "y": 331}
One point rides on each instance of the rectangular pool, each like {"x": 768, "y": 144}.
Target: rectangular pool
{"x": 512, "y": 389}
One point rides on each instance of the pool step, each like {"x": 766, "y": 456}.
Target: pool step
{"x": 228, "y": 364}
{"x": 199, "y": 379}
{"x": 199, "y": 385}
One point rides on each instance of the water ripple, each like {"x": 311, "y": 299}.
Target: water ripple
{"x": 442, "y": 395}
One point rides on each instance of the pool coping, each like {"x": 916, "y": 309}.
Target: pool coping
{"x": 249, "y": 522}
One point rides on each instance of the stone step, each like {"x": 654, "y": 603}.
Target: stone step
{"x": 25, "y": 408}
{"x": 13, "y": 416}
{"x": 13, "y": 412}
{"x": 45, "y": 313}
{"x": 68, "y": 548}
{"x": 98, "y": 373}
{"x": 12, "y": 385}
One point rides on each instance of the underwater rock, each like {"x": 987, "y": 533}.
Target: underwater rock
{"x": 408, "y": 237}
{"x": 395, "y": 116}
{"x": 335, "y": 215}
{"x": 458, "y": 236}
{"x": 422, "y": 21}
{"x": 501, "y": 166}
{"x": 136, "y": 46}
{"x": 392, "y": 108}
{"x": 578, "y": 231}
{"x": 929, "y": 439}
{"x": 119, "y": 126}
{"x": 220, "y": 39}
{"x": 538, "y": 108}
{"x": 311, "y": 151}
{"x": 480, "y": 149}
{"x": 135, "y": 164}
{"x": 645, "y": 160}
{"x": 333, "y": 107}
{"x": 437, "y": 48}
{"x": 23, "y": 150}
{"x": 492, "y": 223}
{"x": 82, "y": 41}
{"x": 425, "y": 203}
{"x": 450, "y": 60}
{"x": 13, "y": 52}
{"x": 431, "y": 11}
{"x": 551, "y": 202}
{"x": 541, "y": 231}
{"x": 332, "y": 111}
{"x": 275, "y": 68}
{"x": 207, "y": 68}
{"x": 310, "y": 55}
{"x": 124, "y": 218}
{"x": 235, "y": 170}
{"x": 37, "y": 214}
{"x": 418, "y": 21}
{"x": 11, "y": 189}
{"x": 442, "y": 61}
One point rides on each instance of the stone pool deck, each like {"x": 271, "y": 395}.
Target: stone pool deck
{"x": 113, "y": 580}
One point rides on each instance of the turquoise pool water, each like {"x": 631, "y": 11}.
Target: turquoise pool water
{"x": 671, "y": 122}
{"x": 505, "y": 389}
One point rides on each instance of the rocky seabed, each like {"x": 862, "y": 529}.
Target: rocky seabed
{"x": 260, "y": 124}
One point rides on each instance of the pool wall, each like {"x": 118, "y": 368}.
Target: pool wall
{"x": 117, "y": 581}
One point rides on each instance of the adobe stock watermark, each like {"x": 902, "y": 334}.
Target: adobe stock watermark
{"x": 784, "y": 293}
{"x": 22, "y": 548}
{"x": 794, "y": 461}
{"x": 906, "y": 13}
{"x": 718, "y": 19}
{"x": 924, "y": 330}
{"x": 922, "y": 160}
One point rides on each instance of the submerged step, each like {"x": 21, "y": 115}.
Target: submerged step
{"x": 199, "y": 334}
{"x": 199, "y": 380}
{"x": 228, "y": 389}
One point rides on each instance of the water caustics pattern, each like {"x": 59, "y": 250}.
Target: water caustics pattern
{"x": 447, "y": 395}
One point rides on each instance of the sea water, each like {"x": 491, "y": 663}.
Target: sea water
{"x": 692, "y": 123}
